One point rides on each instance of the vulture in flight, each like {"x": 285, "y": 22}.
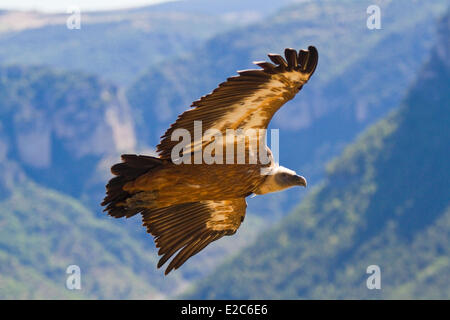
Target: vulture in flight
{"x": 188, "y": 204}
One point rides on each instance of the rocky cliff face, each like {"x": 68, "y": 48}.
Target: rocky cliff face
{"x": 54, "y": 123}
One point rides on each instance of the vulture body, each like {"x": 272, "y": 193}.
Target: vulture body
{"x": 187, "y": 205}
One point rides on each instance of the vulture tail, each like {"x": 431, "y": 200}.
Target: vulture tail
{"x": 131, "y": 167}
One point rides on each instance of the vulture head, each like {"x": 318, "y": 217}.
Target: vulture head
{"x": 280, "y": 178}
{"x": 287, "y": 178}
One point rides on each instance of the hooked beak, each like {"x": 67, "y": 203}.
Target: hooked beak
{"x": 301, "y": 181}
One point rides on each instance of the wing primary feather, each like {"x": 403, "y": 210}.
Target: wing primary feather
{"x": 291, "y": 58}
{"x": 167, "y": 254}
{"x": 313, "y": 58}
{"x": 254, "y": 73}
{"x": 182, "y": 252}
{"x": 189, "y": 251}
{"x": 176, "y": 245}
{"x": 198, "y": 247}
{"x": 277, "y": 59}
{"x": 168, "y": 241}
{"x": 267, "y": 66}
{"x": 302, "y": 58}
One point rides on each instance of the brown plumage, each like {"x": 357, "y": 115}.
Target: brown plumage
{"x": 187, "y": 206}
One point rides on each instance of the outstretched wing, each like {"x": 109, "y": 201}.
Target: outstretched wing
{"x": 246, "y": 101}
{"x": 190, "y": 227}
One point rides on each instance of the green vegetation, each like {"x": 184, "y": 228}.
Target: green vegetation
{"x": 385, "y": 201}
{"x": 43, "y": 232}
{"x": 362, "y": 74}
{"x": 54, "y": 131}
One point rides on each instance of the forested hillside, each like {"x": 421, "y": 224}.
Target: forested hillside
{"x": 44, "y": 231}
{"x": 67, "y": 113}
{"x": 120, "y": 44}
{"x": 59, "y": 134}
{"x": 385, "y": 202}
{"x": 361, "y": 75}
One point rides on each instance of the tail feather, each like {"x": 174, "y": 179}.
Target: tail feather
{"x": 131, "y": 167}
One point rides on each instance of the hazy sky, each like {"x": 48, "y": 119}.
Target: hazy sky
{"x": 62, "y": 5}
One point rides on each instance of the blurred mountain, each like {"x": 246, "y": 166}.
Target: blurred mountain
{"x": 119, "y": 44}
{"x": 385, "y": 202}
{"x": 361, "y": 75}
{"x": 231, "y": 8}
{"x": 42, "y": 232}
{"x": 63, "y": 129}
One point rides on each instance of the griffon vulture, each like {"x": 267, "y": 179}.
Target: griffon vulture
{"x": 187, "y": 205}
